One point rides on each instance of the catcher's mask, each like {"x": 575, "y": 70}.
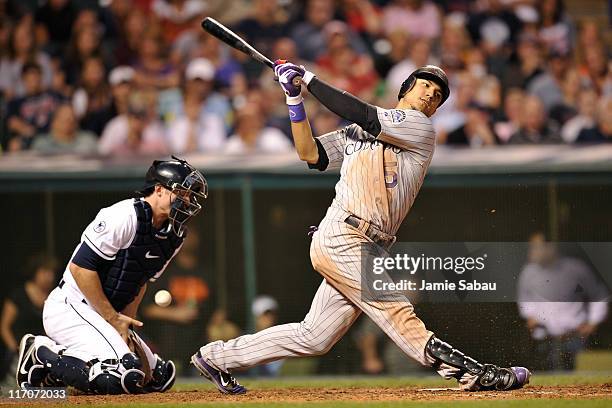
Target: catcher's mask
{"x": 185, "y": 182}
{"x": 430, "y": 72}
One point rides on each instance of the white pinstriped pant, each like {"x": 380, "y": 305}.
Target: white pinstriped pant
{"x": 335, "y": 252}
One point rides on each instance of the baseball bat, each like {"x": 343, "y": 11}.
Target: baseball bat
{"x": 218, "y": 30}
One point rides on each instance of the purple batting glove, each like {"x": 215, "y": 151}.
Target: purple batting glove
{"x": 286, "y": 72}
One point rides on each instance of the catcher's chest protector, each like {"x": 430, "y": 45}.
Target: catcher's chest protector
{"x": 147, "y": 255}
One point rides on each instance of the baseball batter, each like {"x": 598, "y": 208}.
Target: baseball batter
{"x": 383, "y": 157}
{"x": 90, "y": 344}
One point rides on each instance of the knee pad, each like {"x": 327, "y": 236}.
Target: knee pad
{"x": 164, "y": 375}
{"x": 111, "y": 378}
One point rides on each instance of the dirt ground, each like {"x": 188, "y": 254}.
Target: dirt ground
{"x": 345, "y": 394}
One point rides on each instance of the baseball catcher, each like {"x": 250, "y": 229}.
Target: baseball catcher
{"x": 89, "y": 318}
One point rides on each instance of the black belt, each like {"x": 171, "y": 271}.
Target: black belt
{"x": 381, "y": 238}
{"x": 61, "y": 285}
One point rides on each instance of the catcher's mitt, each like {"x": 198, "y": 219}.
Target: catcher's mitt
{"x": 135, "y": 344}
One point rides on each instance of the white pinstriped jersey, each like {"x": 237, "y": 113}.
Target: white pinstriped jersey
{"x": 380, "y": 178}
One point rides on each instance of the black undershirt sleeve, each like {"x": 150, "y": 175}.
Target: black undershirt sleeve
{"x": 88, "y": 259}
{"x": 323, "y": 161}
{"x": 346, "y": 106}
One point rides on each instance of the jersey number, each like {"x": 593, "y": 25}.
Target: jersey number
{"x": 391, "y": 174}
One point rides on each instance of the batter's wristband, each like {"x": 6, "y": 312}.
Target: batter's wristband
{"x": 297, "y": 113}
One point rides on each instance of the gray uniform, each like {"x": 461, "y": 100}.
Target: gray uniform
{"x": 380, "y": 178}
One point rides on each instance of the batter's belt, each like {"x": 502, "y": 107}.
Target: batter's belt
{"x": 381, "y": 238}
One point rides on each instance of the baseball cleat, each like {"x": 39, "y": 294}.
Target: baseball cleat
{"x": 503, "y": 379}
{"x": 222, "y": 380}
{"x": 29, "y": 373}
{"x": 522, "y": 375}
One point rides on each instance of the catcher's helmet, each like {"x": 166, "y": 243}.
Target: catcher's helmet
{"x": 431, "y": 72}
{"x": 182, "y": 179}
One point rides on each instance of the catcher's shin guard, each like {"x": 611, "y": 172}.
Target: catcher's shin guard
{"x": 488, "y": 376}
{"x": 164, "y": 375}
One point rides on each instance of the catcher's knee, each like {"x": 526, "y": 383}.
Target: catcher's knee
{"x": 125, "y": 377}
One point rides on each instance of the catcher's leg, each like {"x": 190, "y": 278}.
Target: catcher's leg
{"x": 92, "y": 357}
{"x": 330, "y": 316}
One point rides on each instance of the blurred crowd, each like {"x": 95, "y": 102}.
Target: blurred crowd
{"x": 130, "y": 77}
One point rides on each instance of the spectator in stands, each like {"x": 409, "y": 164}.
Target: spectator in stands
{"x": 54, "y": 21}
{"x": 477, "y": 130}
{"x": 132, "y": 32}
{"x": 265, "y": 312}
{"x": 566, "y": 108}
{"x": 420, "y": 18}
{"x": 343, "y": 67}
{"x": 455, "y": 40}
{"x": 196, "y": 130}
{"x": 198, "y": 86}
{"x": 495, "y": 23}
{"x": 138, "y": 132}
{"x": 93, "y": 97}
{"x": 252, "y": 136}
{"x": 86, "y": 43}
{"x": 379, "y": 354}
{"x": 586, "y": 117}
{"x": 30, "y": 114}
{"x": 602, "y": 131}
{"x": 176, "y": 16}
{"x": 121, "y": 86}
{"x": 559, "y": 316}
{"x": 528, "y": 66}
{"x": 488, "y": 91}
{"x": 535, "y": 128}
{"x": 453, "y": 116}
{"x": 555, "y": 29}
{"x": 229, "y": 76}
{"x": 65, "y": 135}
{"x": 511, "y": 118}
{"x": 548, "y": 86}
{"x": 589, "y": 35}
{"x": 175, "y": 327}
{"x": 22, "y": 49}
{"x": 153, "y": 70}
{"x": 220, "y": 327}
{"x": 267, "y": 23}
{"x": 22, "y": 311}
{"x": 363, "y": 17}
{"x": 596, "y": 70}
{"x": 310, "y": 36}
{"x": 419, "y": 55}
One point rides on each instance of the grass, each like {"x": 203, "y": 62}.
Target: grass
{"x": 348, "y": 383}
{"x": 381, "y": 381}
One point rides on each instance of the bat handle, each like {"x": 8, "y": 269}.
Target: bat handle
{"x": 297, "y": 81}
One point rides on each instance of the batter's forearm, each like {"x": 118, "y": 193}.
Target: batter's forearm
{"x": 305, "y": 144}
{"x": 346, "y": 105}
{"x": 89, "y": 284}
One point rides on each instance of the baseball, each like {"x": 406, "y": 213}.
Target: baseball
{"x": 163, "y": 298}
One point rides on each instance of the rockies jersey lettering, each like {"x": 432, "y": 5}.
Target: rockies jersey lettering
{"x": 381, "y": 176}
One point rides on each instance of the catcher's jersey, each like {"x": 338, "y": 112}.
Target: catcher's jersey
{"x": 113, "y": 229}
{"x": 380, "y": 180}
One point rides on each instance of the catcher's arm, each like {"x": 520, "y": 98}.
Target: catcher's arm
{"x": 132, "y": 309}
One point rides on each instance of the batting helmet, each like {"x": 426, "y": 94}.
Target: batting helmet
{"x": 430, "y": 72}
{"x": 182, "y": 179}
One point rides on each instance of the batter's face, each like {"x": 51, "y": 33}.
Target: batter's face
{"x": 425, "y": 96}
